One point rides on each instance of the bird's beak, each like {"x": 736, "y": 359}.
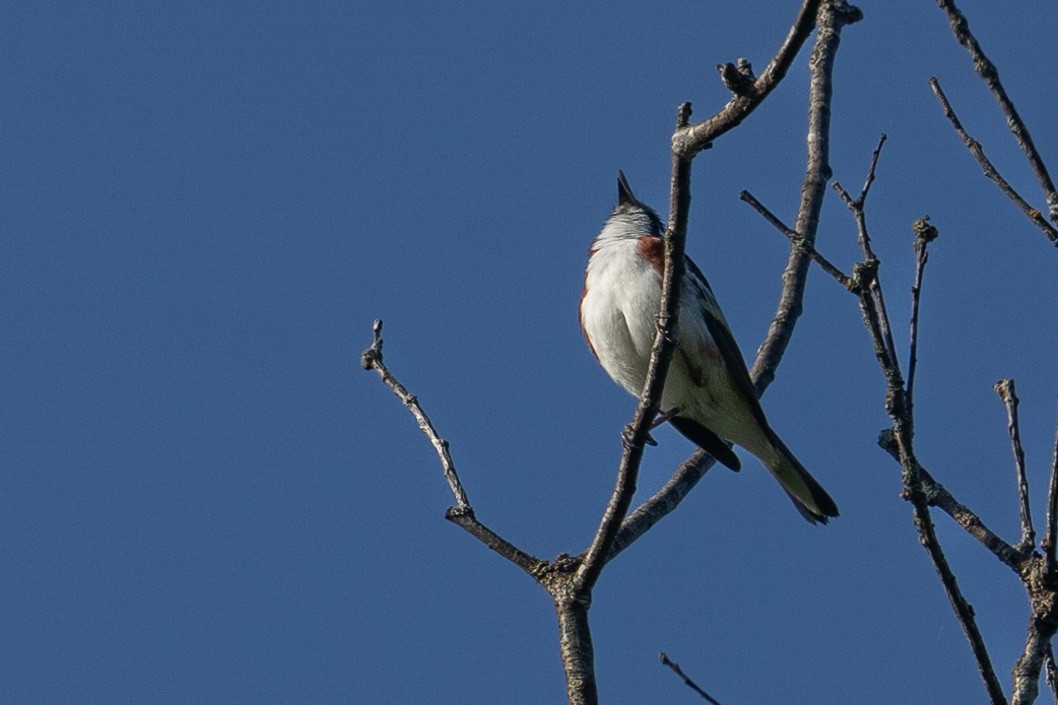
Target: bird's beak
{"x": 625, "y": 197}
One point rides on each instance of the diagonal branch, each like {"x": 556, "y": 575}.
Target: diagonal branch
{"x": 462, "y": 514}
{"x": 798, "y": 240}
{"x": 937, "y": 495}
{"x": 990, "y": 75}
{"x": 675, "y": 668}
{"x": 990, "y": 171}
{"x": 372, "y": 360}
{"x": 834, "y": 15}
{"x": 700, "y": 135}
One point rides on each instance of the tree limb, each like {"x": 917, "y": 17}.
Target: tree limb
{"x": 462, "y": 514}
{"x": 990, "y": 171}
{"x": 990, "y": 75}
{"x": 872, "y": 305}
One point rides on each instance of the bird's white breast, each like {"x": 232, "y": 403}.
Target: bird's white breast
{"x": 622, "y": 291}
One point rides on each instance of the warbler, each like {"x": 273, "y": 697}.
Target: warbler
{"x": 708, "y": 395}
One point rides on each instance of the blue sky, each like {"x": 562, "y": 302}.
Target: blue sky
{"x": 205, "y": 500}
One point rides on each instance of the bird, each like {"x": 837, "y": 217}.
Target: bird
{"x": 708, "y": 395}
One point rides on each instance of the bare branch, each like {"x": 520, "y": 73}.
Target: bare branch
{"x": 687, "y": 681}
{"x": 462, "y": 514}
{"x": 465, "y": 519}
{"x": 1039, "y": 583}
{"x": 877, "y": 312}
{"x": 833, "y": 16}
{"x": 798, "y": 240}
{"x": 372, "y": 360}
{"x": 990, "y": 75}
{"x": 869, "y": 181}
{"x": 1005, "y": 389}
{"x": 666, "y": 499}
{"x": 876, "y": 318}
{"x": 699, "y": 136}
{"x": 937, "y": 495}
{"x": 990, "y": 171}
{"x": 963, "y": 609}
{"x": 872, "y": 301}
{"x": 924, "y": 234}
{"x": 638, "y": 432}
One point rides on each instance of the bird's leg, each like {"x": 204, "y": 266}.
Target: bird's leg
{"x": 663, "y": 417}
{"x": 658, "y": 420}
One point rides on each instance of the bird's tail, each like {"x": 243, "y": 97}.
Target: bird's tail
{"x": 807, "y": 494}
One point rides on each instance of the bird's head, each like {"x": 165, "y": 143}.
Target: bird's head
{"x": 632, "y": 217}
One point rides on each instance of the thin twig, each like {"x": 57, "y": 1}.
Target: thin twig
{"x": 462, "y": 514}
{"x": 372, "y": 360}
{"x": 1005, "y": 389}
{"x": 924, "y": 234}
{"x": 834, "y": 15}
{"x": 1050, "y": 537}
{"x": 876, "y": 318}
{"x": 869, "y": 180}
{"x": 989, "y": 169}
{"x": 859, "y": 213}
{"x": 990, "y": 75}
{"x": 700, "y": 135}
{"x": 638, "y": 431}
{"x": 798, "y": 240}
{"x": 687, "y": 681}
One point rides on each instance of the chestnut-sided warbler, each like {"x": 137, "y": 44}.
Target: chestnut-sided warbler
{"x": 708, "y": 395}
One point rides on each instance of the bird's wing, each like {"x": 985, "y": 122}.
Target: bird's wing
{"x": 717, "y": 326}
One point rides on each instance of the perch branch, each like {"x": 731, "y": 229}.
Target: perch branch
{"x": 636, "y": 434}
{"x": 833, "y": 16}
